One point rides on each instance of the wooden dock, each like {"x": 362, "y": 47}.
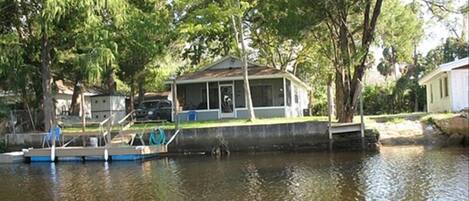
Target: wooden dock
{"x": 121, "y": 153}
{"x": 337, "y": 128}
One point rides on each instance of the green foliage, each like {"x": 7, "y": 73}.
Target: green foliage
{"x": 207, "y": 27}
{"x": 376, "y": 99}
{"x": 447, "y": 52}
{"x": 399, "y": 29}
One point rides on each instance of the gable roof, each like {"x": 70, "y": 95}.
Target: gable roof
{"x": 444, "y": 68}
{"x": 220, "y": 71}
{"x": 228, "y": 62}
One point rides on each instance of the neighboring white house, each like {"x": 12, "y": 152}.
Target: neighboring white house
{"x": 448, "y": 87}
{"x": 103, "y": 106}
{"x": 63, "y": 98}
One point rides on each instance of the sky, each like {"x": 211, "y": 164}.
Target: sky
{"x": 436, "y": 31}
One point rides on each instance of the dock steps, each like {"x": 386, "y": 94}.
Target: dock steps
{"x": 338, "y": 128}
{"x": 123, "y": 138}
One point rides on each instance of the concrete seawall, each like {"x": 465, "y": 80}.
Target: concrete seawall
{"x": 302, "y": 136}
{"x": 279, "y": 137}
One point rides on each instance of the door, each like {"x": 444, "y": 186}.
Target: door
{"x": 226, "y": 101}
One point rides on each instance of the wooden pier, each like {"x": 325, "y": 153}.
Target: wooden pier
{"x": 123, "y": 153}
{"x": 118, "y": 148}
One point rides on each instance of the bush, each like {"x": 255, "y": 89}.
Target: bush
{"x": 392, "y": 98}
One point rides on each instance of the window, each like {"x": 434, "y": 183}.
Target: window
{"x": 150, "y": 104}
{"x": 446, "y": 87}
{"x": 165, "y": 104}
{"x": 288, "y": 90}
{"x": 431, "y": 93}
{"x": 192, "y": 96}
{"x": 239, "y": 94}
{"x": 441, "y": 89}
{"x": 296, "y": 95}
{"x": 261, "y": 95}
{"x": 213, "y": 95}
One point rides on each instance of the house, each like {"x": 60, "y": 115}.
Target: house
{"x": 217, "y": 92}
{"x": 103, "y": 106}
{"x": 63, "y": 98}
{"x": 448, "y": 87}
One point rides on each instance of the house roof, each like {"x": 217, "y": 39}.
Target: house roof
{"x": 64, "y": 87}
{"x": 234, "y": 63}
{"x": 229, "y": 68}
{"x": 464, "y": 62}
{"x": 261, "y": 72}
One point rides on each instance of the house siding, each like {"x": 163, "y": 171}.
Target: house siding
{"x": 64, "y": 101}
{"x": 201, "y": 115}
{"x": 261, "y": 112}
{"x": 439, "y": 104}
{"x": 459, "y": 89}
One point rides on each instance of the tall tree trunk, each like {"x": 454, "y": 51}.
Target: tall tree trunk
{"x": 111, "y": 83}
{"x": 75, "y": 105}
{"x": 48, "y": 104}
{"x": 132, "y": 93}
{"x": 247, "y": 90}
{"x": 348, "y": 88}
{"x": 416, "y": 97}
{"x": 141, "y": 92}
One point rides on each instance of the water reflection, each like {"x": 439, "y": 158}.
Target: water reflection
{"x": 402, "y": 173}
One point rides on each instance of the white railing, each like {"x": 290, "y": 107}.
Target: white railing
{"x": 106, "y": 131}
{"x": 129, "y": 123}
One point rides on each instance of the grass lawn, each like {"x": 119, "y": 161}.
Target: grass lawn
{"x": 208, "y": 124}
{"x": 369, "y": 119}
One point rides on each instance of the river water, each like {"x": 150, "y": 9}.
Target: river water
{"x": 395, "y": 173}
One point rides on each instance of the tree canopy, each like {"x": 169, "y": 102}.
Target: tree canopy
{"x": 131, "y": 46}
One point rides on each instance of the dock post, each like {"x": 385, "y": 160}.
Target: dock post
{"x": 52, "y": 153}
{"x": 106, "y": 155}
{"x": 329, "y": 108}
{"x": 362, "y": 125}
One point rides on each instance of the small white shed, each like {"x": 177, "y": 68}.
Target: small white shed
{"x": 448, "y": 87}
{"x": 103, "y": 106}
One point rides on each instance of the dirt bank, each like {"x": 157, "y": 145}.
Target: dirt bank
{"x": 424, "y": 130}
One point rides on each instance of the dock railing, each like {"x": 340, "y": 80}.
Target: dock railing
{"x": 105, "y": 128}
{"x": 126, "y": 120}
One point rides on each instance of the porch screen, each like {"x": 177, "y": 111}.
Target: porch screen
{"x": 213, "y": 95}
{"x": 288, "y": 91}
{"x": 239, "y": 94}
{"x": 261, "y": 95}
{"x": 192, "y": 96}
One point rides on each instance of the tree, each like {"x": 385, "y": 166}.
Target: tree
{"x": 349, "y": 29}
{"x": 143, "y": 36}
{"x": 40, "y": 23}
{"x": 215, "y": 28}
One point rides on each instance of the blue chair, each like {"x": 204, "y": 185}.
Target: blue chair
{"x": 192, "y": 115}
{"x": 53, "y": 134}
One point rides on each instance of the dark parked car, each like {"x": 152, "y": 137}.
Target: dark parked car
{"x": 154, "y": 110}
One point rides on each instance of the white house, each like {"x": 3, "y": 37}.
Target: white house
{"x": 448, "y": 87}
{"x": 63, "y": 98}
{"x": 217, "y": 91}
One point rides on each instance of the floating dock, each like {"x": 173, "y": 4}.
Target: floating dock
{"x": 124, "y": 153}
